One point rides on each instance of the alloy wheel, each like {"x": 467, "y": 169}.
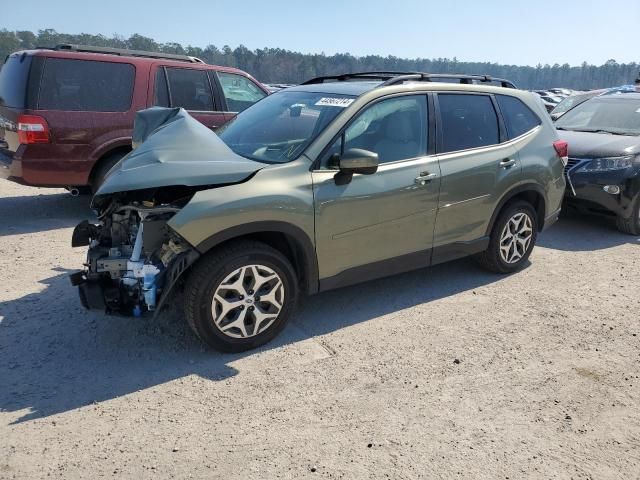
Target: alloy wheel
{"x": 247, "y": 301}
{"x": 516, "y": 237}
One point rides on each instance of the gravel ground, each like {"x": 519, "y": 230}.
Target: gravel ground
{"x": 443, "y": 373}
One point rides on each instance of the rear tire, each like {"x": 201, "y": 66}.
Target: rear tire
{"x": 240, "y": 296}
{"x": 512, "y": 239}
{"x": 631, "y": 225}
{"x": 100, "y": 172}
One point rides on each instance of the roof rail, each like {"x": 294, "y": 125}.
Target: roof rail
{"x": 377, "y": 75}
{"x": 395, "y": 78}
{"x": 68, "y": 47}
{"x": 459, "y": 78}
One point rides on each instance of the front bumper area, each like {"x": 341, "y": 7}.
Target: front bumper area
{"x": 133, "y": 261}
{"x": 590, "y": 194}
{"x": 100, "y": 293}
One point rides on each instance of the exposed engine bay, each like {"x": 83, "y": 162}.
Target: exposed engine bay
{"x": 134, "y": 257}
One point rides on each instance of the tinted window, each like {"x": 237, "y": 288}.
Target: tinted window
{"x": 84, "y": 85}
{"x": 468, "y": 121}
{"x": 190, "y": 89}
{"x": 239, "y": 91}
{"x": 517, "y": 116}
{"x": 161, "y": 94}
{"x": 13, "y": 81}
{"x": 395, "y": 129}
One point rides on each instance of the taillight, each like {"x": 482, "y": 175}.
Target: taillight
{"x": 32, "y": 129}
{"x": 562, "y": 149}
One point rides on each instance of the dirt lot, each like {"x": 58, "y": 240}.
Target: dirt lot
{"x": 442, "y": 373}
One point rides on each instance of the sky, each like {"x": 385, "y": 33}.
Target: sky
{"x": 507, "y": 32}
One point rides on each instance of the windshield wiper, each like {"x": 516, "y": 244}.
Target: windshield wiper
{"x": 595, "y": 130}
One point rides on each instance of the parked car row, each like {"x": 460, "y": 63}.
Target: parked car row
{"x": 552, "y": 97}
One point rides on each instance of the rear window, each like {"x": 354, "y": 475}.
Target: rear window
{"x": 86, "y": 85}
{"x": 517, "y": 116}
{"x": 13, "y": 81}
{"x": 468, "y": 121}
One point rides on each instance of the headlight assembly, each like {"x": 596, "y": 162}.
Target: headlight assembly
{"x": 608, "y": 164}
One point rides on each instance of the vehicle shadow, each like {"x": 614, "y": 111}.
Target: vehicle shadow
{"x": 38, "y": 213}
{"x": 580, "y": 232}
{"x": 54, "y": 356}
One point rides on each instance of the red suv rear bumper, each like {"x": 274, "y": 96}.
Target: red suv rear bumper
{"x": 47, "y": 165}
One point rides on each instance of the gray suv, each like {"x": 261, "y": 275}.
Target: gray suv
{"x": 336, "y": 181}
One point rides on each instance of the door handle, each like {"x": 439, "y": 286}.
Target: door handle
{"x": 425, "y": 177}
{"x": 507, "y": 162}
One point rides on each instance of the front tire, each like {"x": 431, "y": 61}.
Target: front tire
{"x": 240, "y": 296}
{"x": 512, "y": 239}
{"x": 631, "y": 225}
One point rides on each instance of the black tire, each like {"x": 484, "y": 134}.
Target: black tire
{"x": 491, "y": 259}
{"x": 207, "y": 276}
{"x": 631, "y": 224}
{"x": 101, "y": 170}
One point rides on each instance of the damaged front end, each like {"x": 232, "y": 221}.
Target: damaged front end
{"x": 134, "y": 258}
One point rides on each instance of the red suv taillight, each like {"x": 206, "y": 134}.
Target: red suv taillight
{"x": 32, "y": 129}
{"x": 562, "y": 149}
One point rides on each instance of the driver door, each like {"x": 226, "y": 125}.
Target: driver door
{"x": 378, "y": 224}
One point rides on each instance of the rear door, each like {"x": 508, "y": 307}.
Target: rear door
{"x": 191, "y": 89}
{"x": 477, "y": 165}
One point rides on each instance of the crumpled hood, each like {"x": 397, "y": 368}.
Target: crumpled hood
{"x": 599, "y": 145}
{"x": 173, "y": 148}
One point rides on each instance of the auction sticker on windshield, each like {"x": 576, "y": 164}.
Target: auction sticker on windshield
{"x": 334, "y": 102}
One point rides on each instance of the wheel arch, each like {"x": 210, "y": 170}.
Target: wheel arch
{"x": 120, "y": 147}
{"x": 529, "y": 192}
{"x": 288, "y": 239}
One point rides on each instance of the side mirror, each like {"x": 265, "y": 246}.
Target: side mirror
{"x": 357, "y": 160}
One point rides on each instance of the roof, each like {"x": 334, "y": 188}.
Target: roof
{"x": 71, "y": 54}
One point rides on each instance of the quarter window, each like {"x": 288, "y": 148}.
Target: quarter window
{"x": 467, "y": 121}
{"x": 517, "y": 116}
{"x": 190, "y": 89}
{"x": 395, "y": 129}
{"x": 239, "y": 91}
{"x": 86, "y": 85}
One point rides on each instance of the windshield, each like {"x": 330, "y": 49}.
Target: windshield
{"x": 279, "y": 128}
{"x": 571, "y": 102}
{"x": 619, "y": 115}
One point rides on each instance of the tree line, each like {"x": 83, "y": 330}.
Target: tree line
{"x": 277, "y": 65}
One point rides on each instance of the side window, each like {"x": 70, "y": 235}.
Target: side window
{"x": 239, "y": 91}
{"x": 190, "y": 89}
{"x": 517, "y": 116}
{"x": 395, "y": 129}
{"x": 161, "y": 94}
{"x": 86, "y": 85}
{"x": 467, "y": 121}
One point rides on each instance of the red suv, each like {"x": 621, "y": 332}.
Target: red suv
{"x": 66, "y": 113}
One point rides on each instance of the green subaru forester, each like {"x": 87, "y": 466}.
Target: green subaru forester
{"x": 336, "y": 181}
